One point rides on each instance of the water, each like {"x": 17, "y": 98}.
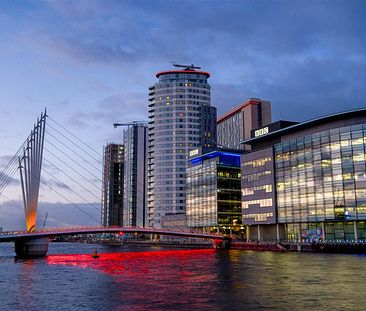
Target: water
{"x": 130, "y": 278}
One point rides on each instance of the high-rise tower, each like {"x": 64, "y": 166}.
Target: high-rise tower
{"x": 180, "y": 119}
{"x": 134, "y": 201}
{"x": 112, "y": 199}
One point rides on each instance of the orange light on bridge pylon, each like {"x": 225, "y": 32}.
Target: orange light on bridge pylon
{"x": 30, "y": 166}
{"x": 30, "y": 219}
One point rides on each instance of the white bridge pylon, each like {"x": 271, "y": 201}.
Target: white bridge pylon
{"x": 30, "y": 165}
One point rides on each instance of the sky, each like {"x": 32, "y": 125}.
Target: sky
{"x": 91, "y": 63}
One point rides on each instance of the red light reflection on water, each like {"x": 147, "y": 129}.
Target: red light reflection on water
{"x": 132, "y": 263}
{"x": 163, "y": 279}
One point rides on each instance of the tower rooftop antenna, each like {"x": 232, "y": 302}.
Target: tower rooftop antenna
{"x": 186, "y": 67}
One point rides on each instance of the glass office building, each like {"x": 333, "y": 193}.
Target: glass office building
{"x": 319, "y": 177}
{"x": 213, "y": 192}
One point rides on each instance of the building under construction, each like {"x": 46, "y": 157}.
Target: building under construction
{"x": 113, "y": 180}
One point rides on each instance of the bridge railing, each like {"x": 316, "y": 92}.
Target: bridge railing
{"x": 69, "y": 228}
{"x": 86, "y": 229}
{"x": 122, "y": 228}
{"x": 2, "y": 233}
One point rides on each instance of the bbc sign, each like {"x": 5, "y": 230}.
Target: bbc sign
{"x": 262, "y": 131}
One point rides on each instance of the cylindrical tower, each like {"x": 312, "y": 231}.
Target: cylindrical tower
{"x": 180, "y": 119}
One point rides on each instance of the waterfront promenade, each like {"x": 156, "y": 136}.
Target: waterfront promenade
{"x": 309, "y": 247}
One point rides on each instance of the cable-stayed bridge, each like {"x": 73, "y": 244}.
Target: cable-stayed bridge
{"x": 71, "y": 172}
{"x": 51, "y": 151}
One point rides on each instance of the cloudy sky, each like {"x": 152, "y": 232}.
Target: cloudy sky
{"x": 91, "y": 63}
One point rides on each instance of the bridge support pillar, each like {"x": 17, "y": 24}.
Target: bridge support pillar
{"x": 31, "y": 247}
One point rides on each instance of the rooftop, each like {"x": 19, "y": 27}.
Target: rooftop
{"x": 183, "y": 71}
{"x": 236, "y": 109}
{"x": 217, "y": 153}
{"x": 313, "y": 122}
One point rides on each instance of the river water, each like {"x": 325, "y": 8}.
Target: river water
{"x": 137, "y": 278}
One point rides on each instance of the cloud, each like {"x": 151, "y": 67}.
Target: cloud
{"x": 111, "y": 109}
{"x": 7, "y": 180}
{"x": 53, "y": 183}
{"x": 63, "y": 214}
{"x": 116, "y": 106}
{"x": 62, "y": 103}
{"x": 137, "y": 31}
{"x": 277, "y": 50}
{"x": 314, "y": 85}
{"x": 68, "y": 8}
{"x": 87, "y": 51}
{"x": 4, "y": 160}
{"x": 12, "y": 215}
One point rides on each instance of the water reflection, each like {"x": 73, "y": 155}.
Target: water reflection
{"x": 158, "y": 279}
{"x": 134, "y": 263}
{"x": 123, "y": 279}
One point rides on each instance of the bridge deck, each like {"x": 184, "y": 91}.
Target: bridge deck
{"x": 51, "y": 232}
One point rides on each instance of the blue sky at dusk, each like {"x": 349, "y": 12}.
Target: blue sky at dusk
{"x": 91, "y": 63}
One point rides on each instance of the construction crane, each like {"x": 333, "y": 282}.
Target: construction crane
{"x": 187, "y": 67}
{"x": 139, "y": 123}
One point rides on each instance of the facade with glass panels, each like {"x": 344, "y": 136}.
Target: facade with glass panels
{"x": 258, "y": 202}
{"x": 213, "y": 192}
{"x": 134, "y": 199}
{"x": 319, "y": 178}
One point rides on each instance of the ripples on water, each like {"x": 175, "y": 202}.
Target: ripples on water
{"x": 153, "y": 279}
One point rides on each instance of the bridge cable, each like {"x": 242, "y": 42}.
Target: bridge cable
{"x": 43, "y": 182}
{"x": 67, "y": 175}
{"x": 8, "y": 180}
{"x": 73, "y": 135}
{"x": 6, "y": 176}
{"x": 68, "y": 188}
{"x": 76, "y": 145}
{"x": 70, "y": 178}
{"x": 75, "y": 171}
{"x": 67, "y": 147}
{"x": 14, "y": 160}
{"x": 11, "y": 168}
{"x": 73, "y": 160}
{"x": 61, "y": 195}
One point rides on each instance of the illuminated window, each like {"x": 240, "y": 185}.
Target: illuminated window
{"x": 258, "y": 162}
{"x": 258, "y": 217}
{"x": 255, "y": 176}
{"x": 260, "y": 202}
{"x": 319, "y": 179}
{"x": 251, "y": 190}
